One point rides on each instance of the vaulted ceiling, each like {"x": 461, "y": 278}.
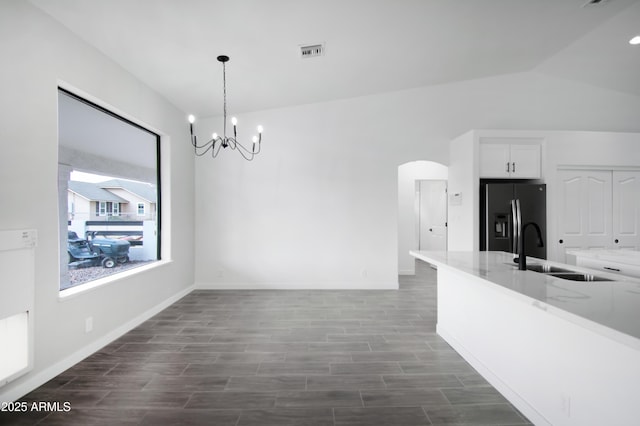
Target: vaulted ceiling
{"x": 371, "y": 46}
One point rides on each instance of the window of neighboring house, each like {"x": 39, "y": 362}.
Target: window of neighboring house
{"x": 120, "y": 162}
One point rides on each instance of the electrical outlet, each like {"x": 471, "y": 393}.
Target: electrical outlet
{"x": 364, "y": 273}
{"x": 88, "y": 324}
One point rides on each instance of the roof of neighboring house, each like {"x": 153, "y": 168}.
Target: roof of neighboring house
{"x": 145, "y": 191}
{"x": 93, "y": 192}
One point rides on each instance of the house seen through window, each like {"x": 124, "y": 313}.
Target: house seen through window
{"x": 108, "y": 193}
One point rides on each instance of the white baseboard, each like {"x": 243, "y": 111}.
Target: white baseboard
{"x": 31, "y": 382}
{"x": 299, "y": 285}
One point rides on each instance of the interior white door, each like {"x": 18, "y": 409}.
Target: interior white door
{"x": 433, "y": 215}
{"x": 584, "y": 210}
{"x": 626, "y": 210}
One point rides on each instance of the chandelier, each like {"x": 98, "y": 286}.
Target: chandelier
{"x": 216, "y": 142}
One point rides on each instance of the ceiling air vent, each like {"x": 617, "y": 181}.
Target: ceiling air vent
{"x": 312, "y": 50}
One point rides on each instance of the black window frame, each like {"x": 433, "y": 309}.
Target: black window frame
{"x": 158, "y": 157}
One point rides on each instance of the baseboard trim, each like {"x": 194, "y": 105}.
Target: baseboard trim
{"x": 298, "y": 285}
{"x": 29, "y": 383}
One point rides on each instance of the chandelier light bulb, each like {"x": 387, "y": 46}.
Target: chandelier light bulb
{"x": 192, "y": 118}
{"x": 234, "y": 121}
{"x": 635, "y": 40}
{"x": 254, "y": 139}
{"x": 260, "y": 129}
{"x": 214, "y": 136}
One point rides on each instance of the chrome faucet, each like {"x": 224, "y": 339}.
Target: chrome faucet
{"x": 522, "y": 257}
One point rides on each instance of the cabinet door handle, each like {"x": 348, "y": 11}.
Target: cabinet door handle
{"x": 561, "y": 241}
{"x": 611, "y": 269}
{"x": 513, "y": 167}
{"x": 507, "y": 167}
{"x": 616, "y": 241}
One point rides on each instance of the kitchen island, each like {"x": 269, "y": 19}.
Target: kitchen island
{"x": 563, "y": 352}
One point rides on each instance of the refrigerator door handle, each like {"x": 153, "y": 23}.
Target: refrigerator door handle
{"x": 514, "y": 227}
{"x": 518, "y": 221}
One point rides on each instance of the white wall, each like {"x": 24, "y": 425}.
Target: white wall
{"x": 318, "y": 207}
{"x": 37, "y": 54}
{"x": 408, "y": 174}
{"x": 462, "y": 206}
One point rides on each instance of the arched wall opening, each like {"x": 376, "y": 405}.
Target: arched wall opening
{"x": 409, "y": 176}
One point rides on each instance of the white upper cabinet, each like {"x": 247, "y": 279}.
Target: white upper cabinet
{"x": 509, "y": 160}
{"x": 525, "y": 161}
{"x": 495, "y": 160}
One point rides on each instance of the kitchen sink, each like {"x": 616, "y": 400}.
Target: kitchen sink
{"x": 540, "y": 267}
{"x": 577, "y": 276}
{"x": 564, "y": 274}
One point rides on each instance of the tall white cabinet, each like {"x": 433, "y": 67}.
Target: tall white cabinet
{"x": 598, "y": 209}
{"x": 626, "y": 209}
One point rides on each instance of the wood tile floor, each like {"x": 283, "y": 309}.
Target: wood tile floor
{"x": 280, "y": 358}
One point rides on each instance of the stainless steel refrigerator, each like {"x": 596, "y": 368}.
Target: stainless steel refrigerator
{"x": 504, "y": 209}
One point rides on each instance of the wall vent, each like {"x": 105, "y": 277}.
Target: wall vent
{"x": 311, "y": 50}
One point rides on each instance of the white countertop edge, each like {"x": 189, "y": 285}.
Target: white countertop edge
{"x": 586, "y": 323}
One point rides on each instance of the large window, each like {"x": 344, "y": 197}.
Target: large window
{"x": 108, "y": 168}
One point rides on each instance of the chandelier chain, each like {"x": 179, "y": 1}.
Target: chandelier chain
{"x": 224, "y": 96}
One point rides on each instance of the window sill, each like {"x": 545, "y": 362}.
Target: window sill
{"x": 92, "y": 285}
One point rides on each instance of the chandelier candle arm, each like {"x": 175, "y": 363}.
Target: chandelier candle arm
{"x": 223, "y": 141}
{"x": 234, "y": 121}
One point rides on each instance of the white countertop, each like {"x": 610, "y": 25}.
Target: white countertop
{"x": 611, "y": 308}
{"x": 629, "y": 257}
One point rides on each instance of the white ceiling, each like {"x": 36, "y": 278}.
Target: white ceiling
{"x": 372, "y": 46}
